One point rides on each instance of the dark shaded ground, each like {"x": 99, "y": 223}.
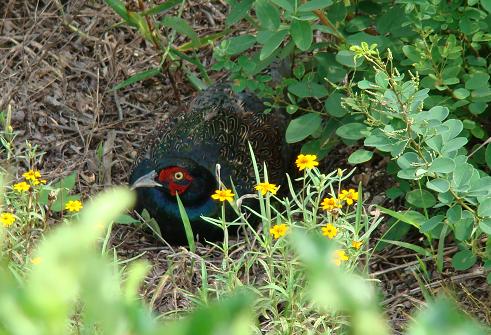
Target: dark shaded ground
{"x": 58, "y": 64}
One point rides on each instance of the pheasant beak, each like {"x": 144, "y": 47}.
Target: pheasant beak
{"x": 147, "y": 180}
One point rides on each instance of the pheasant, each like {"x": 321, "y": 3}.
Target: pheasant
{"x": 183, "y": 154}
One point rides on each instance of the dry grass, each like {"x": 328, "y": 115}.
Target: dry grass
{"x": 58, "y": 63}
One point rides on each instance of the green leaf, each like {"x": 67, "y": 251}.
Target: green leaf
{"x": 477, "y": 80}
{"x": 120, "y": 9}
{"x": 125, "y": 219}
{"x": 438, "y": 113}
{"x": 268, "y": 15}
{"x": 304, "y": 89}
{"x": 442, "y": 165}
{"x": 487, "y": 155}
{"x": 486, "y": 4}
{"x": 410, "y": 246}
{"x": 421, "y": 198}
{"x": 285, "y": 4}
{"x": 302, "y": 127}
{"x": 346, "y": 58}
{"x": 432, "y": 223}
{"x": 314, "y": 4}
{"x": 238, "y": 44}
{"x": 272, "y": 44}
{"x": 353, "y": 131}
{"x": 238, "y": 11}
{"x": 477, "y": 107}
{"x": 461, "y": 93}
{"x": 484, "y": 208}
{"x": 463, "y": 260}
{"x": 333, "y": 105}
{"x": 454, "y": 144}
{"x": 485, "y": 225}
{"x": 408, "y": 160}
{"x": 163, "y": 7}
{"x": 181, "y": 26}
{"x": 438, "y": 185}
{"x": 302, "y": 35}
{"x": 138, "y": 77}
{"x": 360, "y": 156}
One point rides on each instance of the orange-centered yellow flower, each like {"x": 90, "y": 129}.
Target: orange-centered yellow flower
{"x": 22, "y": 187}
{"x": 339, "y": 257}
{"x": 306, "y": 161}
{"x": 356, "y": 244}
{"x": 266, "y": 187}
{"x": 7, "y": 219}
{"x": 32, "y": 175}
{"x": 349, "y": 196}
{"x": 330, "y": 231}
{"x": 223, "y": 195}
{"x": 329, "y": 204}
{"x": 73, "y": 206}
{"x": 278, "y": 230}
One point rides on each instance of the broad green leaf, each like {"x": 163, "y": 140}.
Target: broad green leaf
{"x": 439, "y": 185}
{"x": 477, "y": 107}
{"x": 421, "y": 198}
{"x": 285, "y": 4}
{"x": 333, "y": 105}
{"x": 461, "y": 93}
{"x": 408, "y": 160}
{"x": 302, "y": 127}
{"x": 432, "y": 223}
{"x": 267, "y": 14}
{"x": 314, "y": 4}
{"x": 238, "y": 44}
{"x": 238, "y": 11}
{"x": 463, "y": 228}
{"x": 462, "y": 176}
{"x": 485, "y": 225}
{"x": 360, "y": 156}
{"x": 484, "y": 208}
{"x": 442, "y": 165}
{"x": 272, "y": 44}
{"x": 353, "y": 131}
{"x": 436, "y": 113}
{"x": 463, "y": 260}
{"x": 301, "y": 32}
{"x": 181, "y": 26}
{"x": 304, "y": 89}
{"x": 454, "y": 144}
{"x": 486, "y": 4}
{"x": 477, "y": 80}
{"x": 125, "y": 219}
{"x": 346, "y": 58}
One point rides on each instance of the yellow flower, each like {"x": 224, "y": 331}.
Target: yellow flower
{"x": 356, "y": 244}
{"x": 350, "y": 196}
{"x": 306, "y": 161}
{"x": 7, "y": 219}
{"x": 73, "y": 206}
{"x": 266, "y": 187}
{"x": 38, "y": 181}
{"x": 32, "y": 175}
{"x": 339, "y": 257}
{"x": 340, "y": 173}
{"x": 330, "y": 231}
{"x": 329, "y": 204}
{"x": 278, "y": 230}
{"x": 22, "y": 187}
{"x": 223, "y": 195}
{"x": 36, "y": 260}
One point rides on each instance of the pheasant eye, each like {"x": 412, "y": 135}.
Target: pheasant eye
{"x": 178, "y": 176}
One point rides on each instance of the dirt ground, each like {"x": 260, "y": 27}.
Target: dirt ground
{"x": 59, "y": 60}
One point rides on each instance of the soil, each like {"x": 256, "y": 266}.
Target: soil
{"x": 60, "y": 59}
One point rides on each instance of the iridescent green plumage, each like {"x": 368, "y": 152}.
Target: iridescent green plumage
{"x": 216, "y": 129}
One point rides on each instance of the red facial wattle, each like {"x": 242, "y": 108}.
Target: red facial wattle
{"x": 168, "y": 177}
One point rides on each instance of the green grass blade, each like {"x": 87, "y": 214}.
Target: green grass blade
{"x": 138, "y": 77}
{"x": 410, "y": 246}
{"x": 187, "y": 225}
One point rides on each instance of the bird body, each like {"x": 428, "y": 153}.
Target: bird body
{"x": 184, "y": 151}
